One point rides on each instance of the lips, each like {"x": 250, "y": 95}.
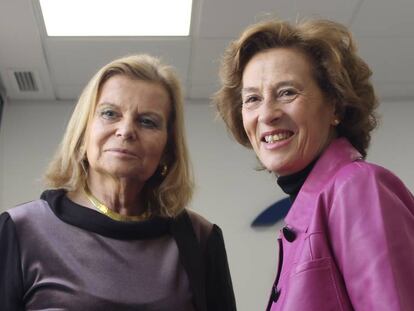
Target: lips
{"x": 276, "y": 136}
{"x": 122, "y": 151}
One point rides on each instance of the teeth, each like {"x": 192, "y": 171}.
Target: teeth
{"x": 276, "y": 137}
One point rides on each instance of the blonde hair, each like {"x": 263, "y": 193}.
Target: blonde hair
{"x": 340, "y": 73}
{"x": 165, "y": 195}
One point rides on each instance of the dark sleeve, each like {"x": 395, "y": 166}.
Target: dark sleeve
{"x": 219, "y": 288}
{"x": 11, "y": 285}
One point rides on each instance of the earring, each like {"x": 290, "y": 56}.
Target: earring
{"x": 164, "y": 170}
{"x": 335, "y": 122}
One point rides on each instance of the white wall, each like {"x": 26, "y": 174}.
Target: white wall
{"x": 29, "y": 135}
{"x": 229, "y": 192}
{"x": 393, "y": 142}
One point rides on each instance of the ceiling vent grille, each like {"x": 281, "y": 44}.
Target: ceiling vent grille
{"x": 26, "y": 81}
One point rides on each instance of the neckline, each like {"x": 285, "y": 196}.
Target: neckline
{"x": 94, "y": 221}
{"x": 291, "y": 184}
{"x": 108, "y": 212}
{"x": 339, "y": 154}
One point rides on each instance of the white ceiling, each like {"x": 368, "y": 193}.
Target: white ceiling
{"x": 384, "y": 30}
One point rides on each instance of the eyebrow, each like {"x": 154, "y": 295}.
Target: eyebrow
{"x": 249, "y": 90}
{"x": 144, "y": 113}
{"x": 152, "y": 114}
{"x": 277, "y": 85}
{"x": 106, "y": 103}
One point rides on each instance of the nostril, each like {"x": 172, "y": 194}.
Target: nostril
{"x": 270, "y": 116}
{"x": 125, "y": 134}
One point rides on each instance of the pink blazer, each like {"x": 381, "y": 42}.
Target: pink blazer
{"x": 348, "y": 243}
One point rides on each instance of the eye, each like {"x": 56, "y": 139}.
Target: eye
{"x": 148, "y": 122}
{"x": 251, "y": 101}
{"x": 109, "y": 114}
{"x": 287, "y": 95}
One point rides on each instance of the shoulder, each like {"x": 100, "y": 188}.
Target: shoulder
{"x": 7, "y": 227}
{"x": 202, "y": 227}
{"x": 9, "y": 241}
{"x": 369, "y": 187}
{"x": 209, "y": 235}
{"x": 5, "y": 221}
{"x": 30, "y": 217}
{"x": 28, "y": 210}
{"x": 368, "y": 174}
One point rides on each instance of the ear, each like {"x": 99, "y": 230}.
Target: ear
{"x": 335, "y": 115}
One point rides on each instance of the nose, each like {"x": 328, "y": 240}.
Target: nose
{"x": 270, "y": 111}
{"x": 126, "y": 130}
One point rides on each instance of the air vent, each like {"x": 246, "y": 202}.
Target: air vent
{"x": 26, "y": 81}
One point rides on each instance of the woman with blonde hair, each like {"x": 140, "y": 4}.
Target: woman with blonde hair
{"x": 112, "y": 232}
{"x": 301, "y": 97}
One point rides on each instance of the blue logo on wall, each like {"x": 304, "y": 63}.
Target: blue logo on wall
{"x": 271, "y": 215}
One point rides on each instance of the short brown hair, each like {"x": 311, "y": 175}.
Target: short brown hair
{"x": 340, "y": 73}
{"x": 166, "y": 195}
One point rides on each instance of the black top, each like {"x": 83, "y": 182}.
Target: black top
{"x": 57, "y": 254}
{"x": 291, "y": 184}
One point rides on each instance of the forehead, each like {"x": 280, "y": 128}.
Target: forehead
{"x": 278, "y": 63}
{"x": 126, "y": 91}
{"x": 122, "y": 84}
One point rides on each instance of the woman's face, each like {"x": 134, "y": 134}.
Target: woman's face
{"x": 287, "y": 118}
{"x": 128, "y": 133}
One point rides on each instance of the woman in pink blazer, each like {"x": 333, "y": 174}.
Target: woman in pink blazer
{"x": 301, "y": 98}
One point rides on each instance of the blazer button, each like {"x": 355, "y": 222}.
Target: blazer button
{"x": 275, "y": 294}
{"x": 289, "y": 234}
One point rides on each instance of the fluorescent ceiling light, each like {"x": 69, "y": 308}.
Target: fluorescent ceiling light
{"x": 117, "y": 17}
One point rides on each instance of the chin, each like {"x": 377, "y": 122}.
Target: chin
{"x": 120, "y": 172}
{"x": 273, "y": 168}
{"x": 279, "y": 169}
{"x": 273, "y": 165}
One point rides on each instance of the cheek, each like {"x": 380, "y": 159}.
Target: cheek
{"x": 249, "y": 126}
{"x": 158, "y": 145}
{"x": 159, "y": 150}
{"x": 310, "y": 120}
{"x": 92, "y": 140}
{"x": 316, "y": 134}
{"x": 95, "y": 139}
{"x": 324, "y": 125}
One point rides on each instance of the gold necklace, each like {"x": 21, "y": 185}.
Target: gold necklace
{"x": 110, "y": 213}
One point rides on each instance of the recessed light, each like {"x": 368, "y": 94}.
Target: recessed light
{"x": 116, "y": 17}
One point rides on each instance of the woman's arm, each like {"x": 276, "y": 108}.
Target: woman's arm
{"x": 11, "y": 284}
{"x": 219, "y": 288}
{"x": 371, "y": 227}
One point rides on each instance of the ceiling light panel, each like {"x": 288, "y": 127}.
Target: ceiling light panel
{"x": 116, "y": 17}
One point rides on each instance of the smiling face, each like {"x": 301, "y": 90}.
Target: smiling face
{"x": 287, "y": 118}
{"x": 127, "y": 135}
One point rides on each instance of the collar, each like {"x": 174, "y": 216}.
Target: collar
{"x": 91, "y": 220}
{"x": 291, "y": 184}
{"x": 337, "y": 155}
